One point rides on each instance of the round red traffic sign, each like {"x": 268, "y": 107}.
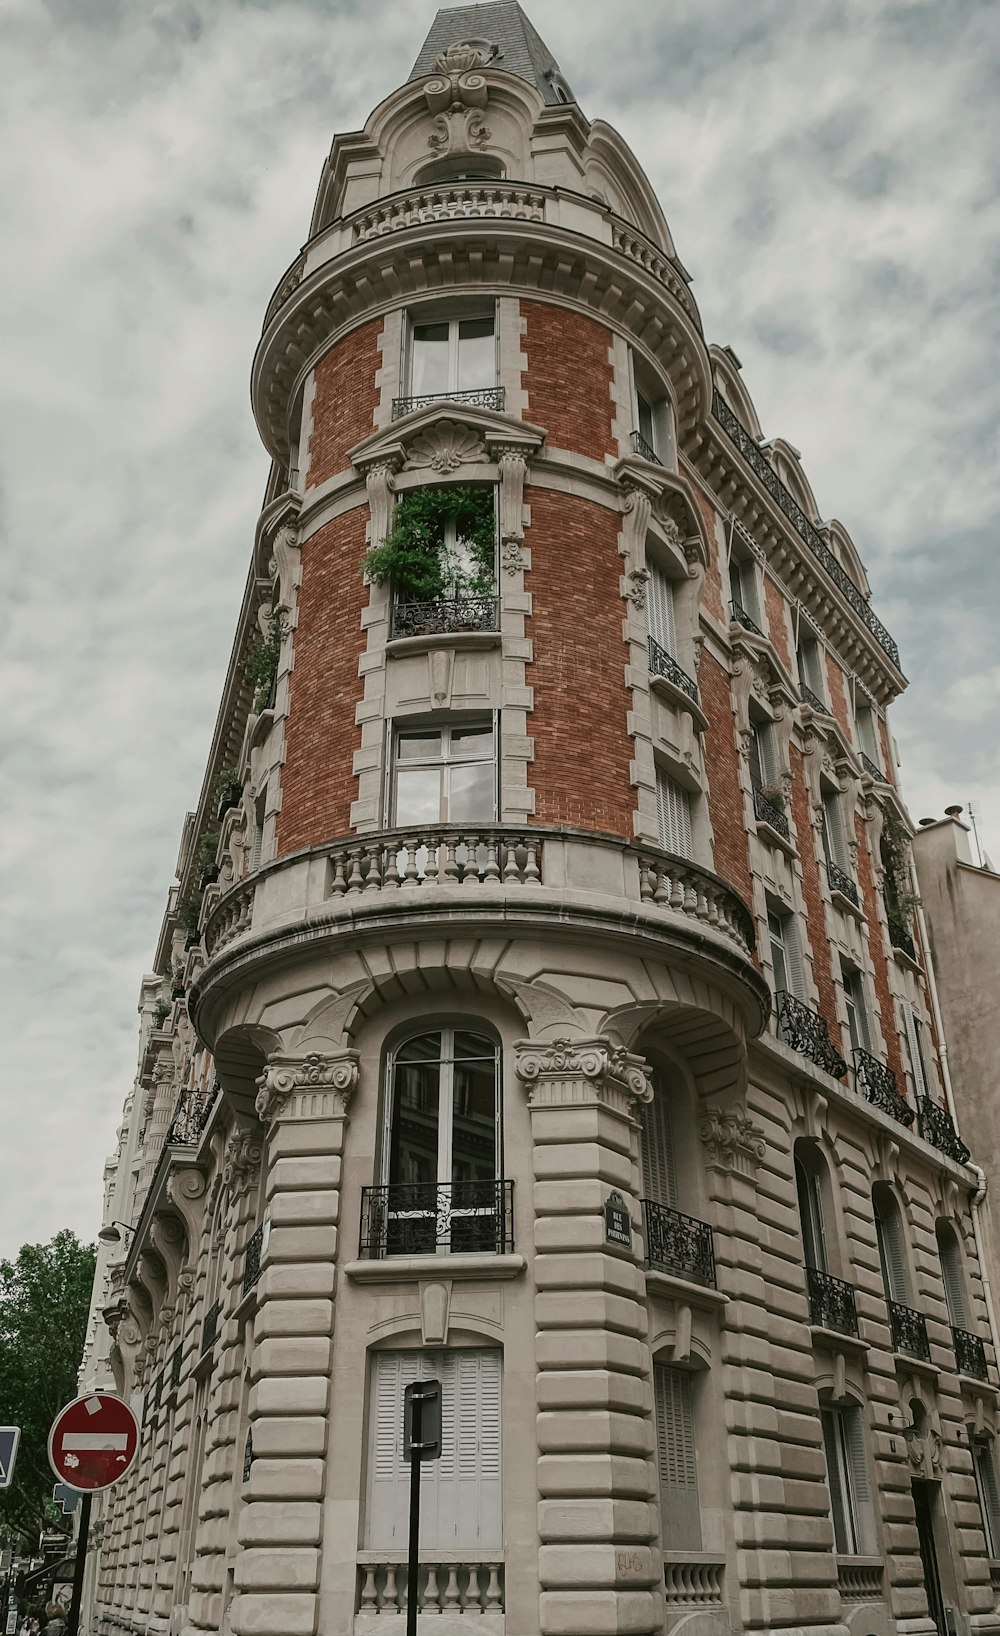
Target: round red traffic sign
{"x": 93, "y": 1441}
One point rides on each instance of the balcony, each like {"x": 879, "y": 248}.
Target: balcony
{"x": 432, "y": 1218}
{"x": 872, "y": 769}
{"x": 678, "y": 1244}
{"x": 899, "y": 935}
{"x": 812, "y": 699}
{"x": 481, "y": 397}
{"x": 970, "y": 1354}
{"x": 807, "y": 1032}
{"x": 454, "y": 1585}
{"x": 191, "y": 1115}
{"x": 210, "y": 1328}
{"x": 878, "y": 1083}
{"x": 840, "y": 881}
{"x": 768, "y": 812}
{"x": 831, "y": 1302}
{"x": 739, "y": 616}
{"x": 446, "y": 616}
{"x": 252, "y": 1258}
{"x": 661, "y": 663}
{"x": 909, "y": 1332}
{"x": 935, "y": 1126}
{"x": 435, "y": 857}
{"x": 644, "y": 449}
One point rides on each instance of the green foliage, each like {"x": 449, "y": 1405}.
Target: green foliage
{"x": 414, "y": 556}
{"x": 188, "y": 915}
{"x": 228, "y": 785}
{"x": 44, "y": 1301}
{"x": 208, "y": 846}
{"x": 261, "y": 666}
{"x": 900, "y": 898}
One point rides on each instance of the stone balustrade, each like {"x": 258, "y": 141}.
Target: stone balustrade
{"x": 695, "y": 1581}
{"x": 230, "y": 917}
{"x": 451, "y": 1585}
{"x": 859, "y": 1579}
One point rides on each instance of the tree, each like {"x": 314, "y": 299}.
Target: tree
{"x": 44, "y": 1302}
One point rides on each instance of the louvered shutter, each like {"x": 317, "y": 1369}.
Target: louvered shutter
{"x": 836, "y": 1477}
{"x": 673, "y": 805}
{"x": 835, "y": 834}
{"x": 811, "y": 1216}
{"x": 892, "y": 1255}
{"x": 913, "y": 1050}
{"x": 766, "y": 754}
{"x": 989, "y": 1495}
{"x": 861, "y": 1489}
{"x": 660, "y": 606}
{"x": 677, "y": 1460}
{"x": 659, "y": 1181}
{"x": 951, "y": 1273}
{"x": 793, "y": 955}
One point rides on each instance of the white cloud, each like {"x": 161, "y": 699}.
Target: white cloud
{"x": 829, "y": 173}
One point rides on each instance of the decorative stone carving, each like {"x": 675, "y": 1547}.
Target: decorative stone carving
{"x": 511, "y": 555}
{"x": 459, "y": 130}
{"x": 315, "y": 1086}
{"x": 552, "y": 1072}
{"x": 637, "y": 506}
{"x": 459, "y": 84}
{"x": 445, "y": 446}
{"x": 379, "y": 481}
{"x": 512, "y": 460}
{"x": 284, "y": 558}
{"x": 241, "y": 1165}
{"x": 636, "y": 591}
{"x": 732, "y": 1140}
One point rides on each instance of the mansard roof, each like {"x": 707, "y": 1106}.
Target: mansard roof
{"x": 517, "y": 47}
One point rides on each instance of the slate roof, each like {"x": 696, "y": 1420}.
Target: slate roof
{"x": 519, "y": 49}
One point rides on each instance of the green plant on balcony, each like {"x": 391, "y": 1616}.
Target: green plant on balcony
{"x": 188, "y": 916}
{"x": 900, "y": 899}
{"x": 261, "y": 666}
{"x": 228, "y": 789}
{"x": 442, "y": 544}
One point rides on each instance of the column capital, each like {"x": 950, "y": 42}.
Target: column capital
{"x": 556, "y": 1071}
{"x": 318, "y": 1085}
{"x": 732, "y": 1140}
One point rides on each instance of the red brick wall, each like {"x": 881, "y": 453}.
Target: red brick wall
{"x": 343, "y": 408}
{"x": 869, "y": 903}
{"x": 318, "y": 783}
{"x": 722, "y": 763}
{"x": 813, "y": 899}
{"x": 582, "y": 744}
{"x": 711, "y": 594}
{"x": 888, "y": 764}
{"x": 568, "y": 379}
{"x": 777, "y": 623}
{"x": 835, "y": 681}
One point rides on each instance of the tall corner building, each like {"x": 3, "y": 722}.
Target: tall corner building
{"x": 541, "y": 1007}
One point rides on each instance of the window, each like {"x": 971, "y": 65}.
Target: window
{"x": 985, "y": 1466}
{"x": 659, "y": 1179}
{"x": 763, "y": 756}
{"x": 464, "y": 167}
{"x": 673, "y": 807}
{"x": 678, "y": 1462}
{"x": 808, "y": 1188}
{"x": 847, "y": 1475}
{"x": 809, "y": 663}
{"x": 653, "y": 435}
{"x": 786, "y": 964}
{"x": 891, "y": 1249}
{"x": 461, "y": 1495}
{"x": 660, "y": 610}
{"x": 444, "y": 774}
{"x": 835, "y": 846}
{"x": 453, "y": 355}
{"x": 857, "y": 1011}
{"x": 913, "y": 1033}
{"x": 743, "y": 587}
{"x": 950, "y": 1254}
{"x": 259, "y": 810}
{"x": 864, "y": 721}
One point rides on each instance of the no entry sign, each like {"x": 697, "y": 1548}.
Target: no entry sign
{"x": 93, "y": 1442}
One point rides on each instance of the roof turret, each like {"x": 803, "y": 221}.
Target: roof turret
{"x": 504, "y": 38}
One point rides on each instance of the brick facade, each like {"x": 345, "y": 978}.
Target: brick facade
{"x": 775, "y": 608}
{"x": 880, "y": 956}
{"x": 822, "y": 963}
{"x": 343, "y": 407}
{"x": 569, "y": 377}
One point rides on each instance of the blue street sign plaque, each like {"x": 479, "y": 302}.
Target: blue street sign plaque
{"x": 66, "y": 1498}
{"x": 9, "y": 1436}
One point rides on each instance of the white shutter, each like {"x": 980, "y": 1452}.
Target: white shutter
{"x": 984, "y": 1460}
{"x": 837, "y": 1482}
{"x": 793, "y": 955}
{"x": 659, "y": 1181}
{"x": 861, "y": 1491}
{"x": 835, "y": 832}
{"x": 888, "y": 1227}
{"x": 673, "y": 807}
{"x": 677, "y": 1460}
{"x": 388, "y": 1472}
{"x": 660, "y": 606}
{"x": 913, "y": 1050}
{"x": 951, "y": 1273}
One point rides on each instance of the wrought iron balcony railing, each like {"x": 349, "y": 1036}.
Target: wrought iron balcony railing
{"x": 446, "y": 616}
{"x": 878, "y": 1083}
{"x": 899, "y": 936}
{"x": 909, "y": 1331}
{"x": 739, "y": 615}
{"x": 427, "y": 1218}
{"x": 970, "y": 1354}
{"x": 661, "y": 663}
{"x": 870, "y": 767}
{"x": 191, "y": 1115}
{"x": 807, "y": 1032}
{"x": 210, "y": 1329}
{"x": 936, "y": 1126}
{"x": 481, "y": 397}
{"x": 768, "y": 812}
{"x": 812, "y": 699}
{"x": 644, "y": 448}
{"x": 176, "y": 1363}
{"x": 678, "y": 1244}
{"x": 840, "y": 881}
{"x": 831, "y": 1302}
{"x": 786, "y": 502}
{"x": 251, "y": 1259}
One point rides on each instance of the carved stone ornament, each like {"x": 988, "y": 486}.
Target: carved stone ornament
{"x": 284, "y": 558}
{"x": 241, "y": 1165}
{"x": 637, "y": 506}
{"x": 511, "y": 555}
{"x": 732, "y": 1140}
{"x": 444, "y": 447}
{"x": 636, "y": 591}
{"x": 314, "y": 1086}
{"x": 458, "y": 83}
{"x": 552, "y": 1072}
{"x": 379, "y": 481}
{"x": 512, "y": 460}
{"x": 459, "y": 130}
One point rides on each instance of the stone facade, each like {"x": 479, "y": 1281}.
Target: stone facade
{"x": 533, "y": 1007}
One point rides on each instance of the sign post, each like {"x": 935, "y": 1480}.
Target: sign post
{"x": 421, "y": 1441}
{"x": 92, "y": 1444}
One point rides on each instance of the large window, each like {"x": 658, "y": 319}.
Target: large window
{"x": 913, "y": 1033}
{"x": 809, "y": 664}
{"x": 809, "y": 1192}
{"x": 786, "y": 961}
{"x": 743, "y": 588}
{"x": 835, "y": 844}
{"x": 950, "y": 1254}
{"x": 988, "y": 1489}
{"x": 847, "y": 1475}
{"x": 858, "y": 1025}
{"x": 453, "y": 355}
{"x": 660, "y": 610}
{"x": 867, "y": 731}
{"x": 677, "y": 1458}
{"x": 653, "y": 422}
{"x": 443, "y": 775}
{"x": 659, "y": 1177}
{"x": 461, "y": 1494}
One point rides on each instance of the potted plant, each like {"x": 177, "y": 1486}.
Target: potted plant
{"x": 228, "y": 790}
{"x": 188, "y": 916}
{"x": 208, "y": 846}
{"x": 161, "y": 1011}
{"x": 177, "y": 983}
{"x": 261, "y": 667}
{"x": 440, "y": 554}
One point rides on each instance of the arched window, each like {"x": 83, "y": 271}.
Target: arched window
{"x": 809, "y": 1192}
{"x": 461, "y": 167}
{"x": 848, "y": 1478}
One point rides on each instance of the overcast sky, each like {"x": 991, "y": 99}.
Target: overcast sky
{"x": 828, "y": 169}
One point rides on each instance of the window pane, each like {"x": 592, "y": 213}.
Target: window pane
{"x": 477, "y": 354}
{"x": 776, "y": 933}
{"x": 418, "y": 796}
{"x": 413, "y": 1143}
{"x": 418, "y": 746}
{"x": 429, "y": 364}
{"x": 467, "y": 742}
{"x": 474, "y": 1155}
{"x": 425, "y": 1048}
{"x": 646, "y": 424}
{"x": 470, "y": 793}
{"x": 472, "y": 1046}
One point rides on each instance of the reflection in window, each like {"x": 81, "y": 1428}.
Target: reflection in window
{"x": 444, "y": 775}
{"x": 456, "y": 355}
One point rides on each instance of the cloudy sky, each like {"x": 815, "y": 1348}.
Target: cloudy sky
{"x": 828, "y": 168}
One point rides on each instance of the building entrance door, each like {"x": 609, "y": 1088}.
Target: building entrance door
{"x": 924, "y": 1500}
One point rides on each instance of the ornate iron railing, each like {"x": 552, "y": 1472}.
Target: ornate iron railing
{"x": 970, "y": 1354}
{"x": 422, "y": 1218}
{"x": 678, "y": 1244}
{"x": 191, "y": 1115}
{"x": 786, "y": 502}
{"x": 251, "y": 1259}
{"x": 936, "y": 1126}
{"x": 840, "y": 881}
{"x": 899, "y": 936}
{"x": 481, "y": 397}
{"x": 870, "y": 767}
{"x": 909, "y": 1331}
{"x": 807, "y": 1032}
{"x": 661, "y": 663}
{"x": 812, "y": 699}
{"x": 740, "y": 617}
{"x": 831, "y": 1302}
{"x": 644, "y": 449}
{"x": 248, "y": 1455}
{"x": 210, "y": 1328}
{"x": 445, "y": 616}
{"x": 768, "y": 812}
{"x": 878, "y": 1083}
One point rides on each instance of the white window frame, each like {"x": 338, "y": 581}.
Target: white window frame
{"x": 984, "y": 1465}
{"x": 859, "y": 1025}
{"x": 812, "y": 1214}
{"x": 809, "y": 664}
{"x": 674, "y": 814}
{"x": 659, "y": 432}
{"x": 401, "y": 726}
{"x": 446, "y": 1099}
{"x": 743, "y": 578}
{"x": 453, "y": 321}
